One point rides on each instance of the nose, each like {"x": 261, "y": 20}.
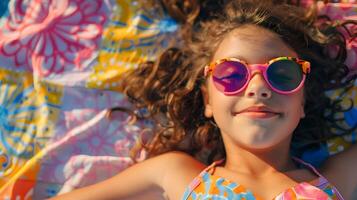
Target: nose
{"x": 257, "y": 87}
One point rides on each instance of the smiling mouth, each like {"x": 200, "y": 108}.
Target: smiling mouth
{"x": 259, "y": 114}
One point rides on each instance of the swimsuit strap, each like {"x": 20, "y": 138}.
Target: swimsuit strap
{"x": 324, "y": 181}
{"x": 197, "y": 180}
{"x": 212, "y": 167}
{"x": 309, "y": 166}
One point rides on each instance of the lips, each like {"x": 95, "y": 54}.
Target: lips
{"x": 258, "y": 112}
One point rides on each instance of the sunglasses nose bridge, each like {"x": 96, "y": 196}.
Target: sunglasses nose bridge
{"x": 260, "y": 67}
{"x": 255, "y": 68}
{"x": 255, "y": 89}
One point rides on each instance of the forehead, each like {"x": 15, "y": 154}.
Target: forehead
{"x": 253, "y": 44}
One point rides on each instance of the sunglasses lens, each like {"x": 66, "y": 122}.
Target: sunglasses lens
{"x": 285, "y": 75}
{"x": 230, "y": 76}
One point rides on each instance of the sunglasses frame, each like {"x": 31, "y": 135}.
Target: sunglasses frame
{"x": 305, "y": 66}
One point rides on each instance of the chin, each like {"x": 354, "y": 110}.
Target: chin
{"x": 260, "y": 145}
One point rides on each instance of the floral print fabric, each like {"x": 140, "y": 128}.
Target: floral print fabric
{"x": 208, "y": 186}
{"x": 60, "y": 63}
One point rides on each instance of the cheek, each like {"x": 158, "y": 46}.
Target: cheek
{"x": 295, "y": 107}
{"x": 221, "y": 105}
{"x": 219, "y": 100}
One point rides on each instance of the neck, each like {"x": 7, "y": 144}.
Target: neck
{"x": 259, "y": 162}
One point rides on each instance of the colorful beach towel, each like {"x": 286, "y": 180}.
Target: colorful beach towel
{"x": 60, "y": 63}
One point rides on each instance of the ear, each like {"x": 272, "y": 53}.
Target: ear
{"x": 208, "y": 108}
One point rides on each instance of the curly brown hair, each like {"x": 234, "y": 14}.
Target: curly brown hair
{"x": 169, "y": 89}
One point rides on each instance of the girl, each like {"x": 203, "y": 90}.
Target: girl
{"x": 245, "y": 94}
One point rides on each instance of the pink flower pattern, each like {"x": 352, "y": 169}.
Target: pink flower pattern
{"x": 303, "y": 191}
{"x": 344, "y": 11}
{"x": 47, "y": 36}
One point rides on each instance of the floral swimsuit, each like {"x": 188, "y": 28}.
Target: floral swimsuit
{"x": 209, "y": 186}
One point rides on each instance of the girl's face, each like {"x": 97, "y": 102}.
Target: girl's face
{"x": 253, "y": 130}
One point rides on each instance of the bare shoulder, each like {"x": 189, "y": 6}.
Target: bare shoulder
{"x": 181, "y": 169}
{"x": 340, "y": 170}
{"x": 179, "y": 164}
{"x": 179, "y": 159}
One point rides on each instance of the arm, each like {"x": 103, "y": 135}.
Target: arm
{"x": 169, "y": 173}
{"x": 132, "y": 183}
{"x": 341, "y": 169}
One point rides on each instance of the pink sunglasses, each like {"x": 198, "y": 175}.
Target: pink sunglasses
{"x": 284, "y": 75}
